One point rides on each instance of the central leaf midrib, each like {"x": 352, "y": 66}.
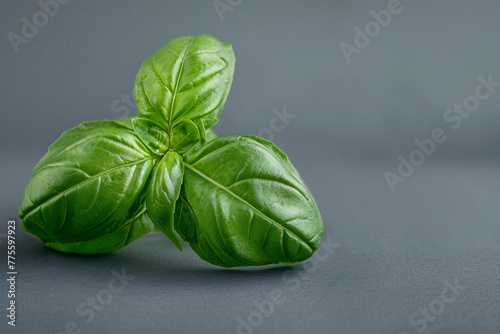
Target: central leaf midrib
{"x": 170, "y": 114}
{"x": 245, "y": 202}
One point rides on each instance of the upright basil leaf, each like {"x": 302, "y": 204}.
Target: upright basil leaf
{"x": 130, "y": 231}
{"x": 89, "y": 183}
{"x": 250, "y": 205}
{"x": 152, "y": 134}
{"x": 188, "y": 78}
{"x": 164, "y": 192}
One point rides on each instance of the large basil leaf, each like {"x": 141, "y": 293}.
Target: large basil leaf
{"x": 189, "y": 78}
{"x": 90, "y": 183}
{"x": 130, "y": 231}
{"x": 164, "y": 192}
{"x": 249, "y": 205}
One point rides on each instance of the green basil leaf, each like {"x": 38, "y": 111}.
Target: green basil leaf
{"x": 131, "y": 230}
{"x": 152, "y": 134}
{"x": 164, "y": 192}
{"x": 209, "y": 122}
{"x": 188, "y": 78}
{"x": 200, "y": 124}
{"x": 185, "y": 134}
{"x": 206, "y": 136}
{"x": 250, "y": 205}
{"x": 90, "y": 182}
{"x": 184, "y": 218}
{"x": 210, "y": 134}
{"x": 185, "y": 225}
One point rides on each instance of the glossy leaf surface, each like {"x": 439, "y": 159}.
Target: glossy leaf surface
{"x": 130, "y": 231}
{"x": 250, "y": 205}
{"x": 189, "y": 78}
{"x": 152, "y": 134}
{"x": 185, "y": 134}
{"x": 164, "y": 192}
{"x": 90, "y": 182}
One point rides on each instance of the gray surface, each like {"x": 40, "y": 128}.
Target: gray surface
{"x": 396, "y": 250}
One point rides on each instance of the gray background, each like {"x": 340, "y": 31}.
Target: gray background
{"x": 396, "y": 250}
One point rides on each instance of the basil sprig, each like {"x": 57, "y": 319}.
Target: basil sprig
{"x": 236, "y": 200}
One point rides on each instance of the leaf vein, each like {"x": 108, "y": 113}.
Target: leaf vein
{"x": 218, "y": 185}
{"x": 79, "y": 183}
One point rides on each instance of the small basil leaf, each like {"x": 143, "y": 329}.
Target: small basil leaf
{"x": 184, "y": 135}
{"x": 202, "y": 130}
{"x": 130, "y": 231}
{"x": 188, "y": 78}
{"x": 210, "y": 134}
{"x": 89, "y": 183}
{"x": 163, "y": 193}
{"x": 205, "y": 136}
{"x": 209, "y": 122}
{"x": 152, "y": 134}
{"x": 250, "y": 205}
